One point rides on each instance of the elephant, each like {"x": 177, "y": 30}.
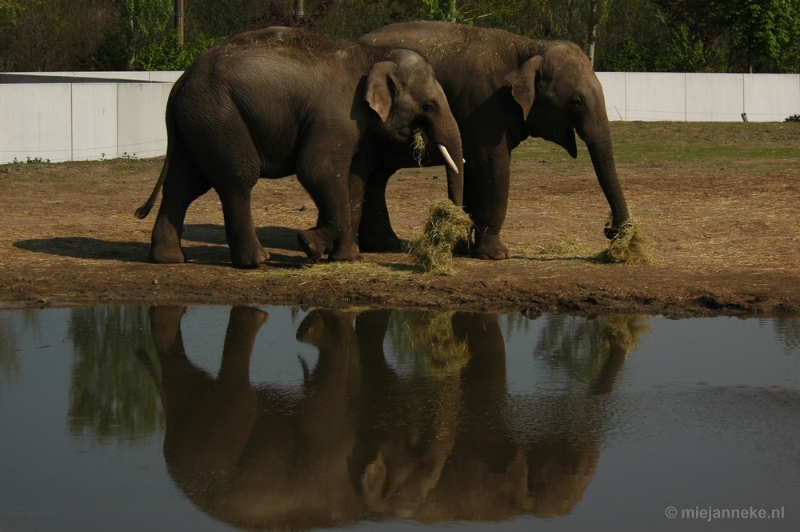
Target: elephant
{"x": 502, "y": 88}
{"x": 280, "y": 101}
{"x": 360, "y": 438}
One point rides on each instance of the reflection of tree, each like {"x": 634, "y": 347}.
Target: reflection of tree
{"x": 788, "y": 332}
{"x": 111, "y": 394}
{"x": 581, "y": 348}
{"x": 9, "y": 363}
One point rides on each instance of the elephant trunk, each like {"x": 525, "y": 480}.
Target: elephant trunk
{"x": 447, "y": 138}
{"x": 601, "y": 151}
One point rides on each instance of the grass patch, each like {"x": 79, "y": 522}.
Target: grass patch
{"x": 653, "y": 142}
{"x": 447, "y": 225}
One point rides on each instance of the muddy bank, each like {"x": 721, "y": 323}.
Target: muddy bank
{"x": 724, "y": 230}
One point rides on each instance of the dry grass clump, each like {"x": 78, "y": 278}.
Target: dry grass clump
{"x": 630, "y": 246}
{"x": 447, "y": 225}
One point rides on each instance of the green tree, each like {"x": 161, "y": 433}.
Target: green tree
{"x": 761, "y": 29}
{"x": 597, "y": 16}
{"x": 46, "y": 35}
{"x": 143, "y": 21}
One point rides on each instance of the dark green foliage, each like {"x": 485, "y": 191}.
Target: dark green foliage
{"x": 166, "y": 55}
{"x": 628, "y": 35}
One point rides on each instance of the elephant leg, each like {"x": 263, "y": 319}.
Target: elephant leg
{"x": 246, "y": 250}
{"x": 375, "y": 233}
{"x": 182, "y": 186}
{"x": 489, "y": 203}
{"x": 327, "y": 182}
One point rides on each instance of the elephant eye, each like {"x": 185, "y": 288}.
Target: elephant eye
{"x": 575, "y": 103}
{"x": 428, "y": 107}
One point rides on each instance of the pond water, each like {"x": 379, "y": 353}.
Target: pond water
{"x": 220, "y": 418}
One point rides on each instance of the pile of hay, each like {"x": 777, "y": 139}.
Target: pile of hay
{"x": 630, "y": 246}
{"x": 447, "y": 226}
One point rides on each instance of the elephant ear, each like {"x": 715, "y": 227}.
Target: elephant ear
{"x": 381, "y": 88}
{"x": 523, "y": 83}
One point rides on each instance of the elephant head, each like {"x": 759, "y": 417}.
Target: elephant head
{"x": 560, "y": 95}
{"x": 405, "y": 96}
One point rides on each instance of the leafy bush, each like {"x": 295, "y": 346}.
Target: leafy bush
{"x": 793, "y": 118}
{"x": 165, "y": 54}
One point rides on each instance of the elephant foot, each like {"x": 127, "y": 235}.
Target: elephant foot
{"x": 311, "y": 244}
{"x": 382, "y": 245}
{"x": 345, "y": 253}
{"x": 490, "y": 249}
{"x": 249, "y": 260}
{"x": 166, "y": 254}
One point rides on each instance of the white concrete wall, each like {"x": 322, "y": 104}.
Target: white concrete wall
{"x": 700, "y": 97}
{"x": 35, "y": 121}
{"x": 141, "y": 130}
{"x": 167, "y": 76}
{"x": 92, "y": 115}
{"x": 82, "y": 121}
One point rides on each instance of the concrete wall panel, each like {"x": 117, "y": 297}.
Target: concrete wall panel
{"x": 770, "y": 97}
{"x": 94, "y": 121}
{"x": 614, "y": 92}
{"x": 655, "y": 96}
{"x": 167, "y": 76}
{"x": 141, "y": 130}
{"x": 132, "y": 75}
{"x": 714, "y": 97}
{"x": 35, "y": 121}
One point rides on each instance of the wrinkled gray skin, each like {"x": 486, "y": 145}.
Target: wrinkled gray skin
{"x": 502, "y": 88}
{"x": 280, "y": 101}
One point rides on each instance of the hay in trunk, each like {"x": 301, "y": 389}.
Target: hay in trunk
{"x": 447, "y": 225}
{"x": 630, "y": 246}
{"x": 419, "y": 146}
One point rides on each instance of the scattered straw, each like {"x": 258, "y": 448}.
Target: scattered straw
{"x": 447, "y": 226}
{"x": 630, "y": 246}
{"x": 419, "y": 145}
{"x": 348, "y": 271}
{"x": 556, "y": 249}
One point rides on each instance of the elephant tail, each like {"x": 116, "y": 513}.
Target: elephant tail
{"x": 144, "y": 210}
{"x": 172, "y": 138}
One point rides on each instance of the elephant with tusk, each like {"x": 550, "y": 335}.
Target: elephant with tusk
{"x": 281, "y": 101}
{"x": 502, "y": 88}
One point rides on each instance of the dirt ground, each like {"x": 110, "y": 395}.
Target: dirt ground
{"x": 724, "y": 230}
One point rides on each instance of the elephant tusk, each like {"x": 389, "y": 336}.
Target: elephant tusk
{"x": 447, "y": 158}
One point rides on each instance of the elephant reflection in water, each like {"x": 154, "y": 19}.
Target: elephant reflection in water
{"x": 362, "y": 440}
